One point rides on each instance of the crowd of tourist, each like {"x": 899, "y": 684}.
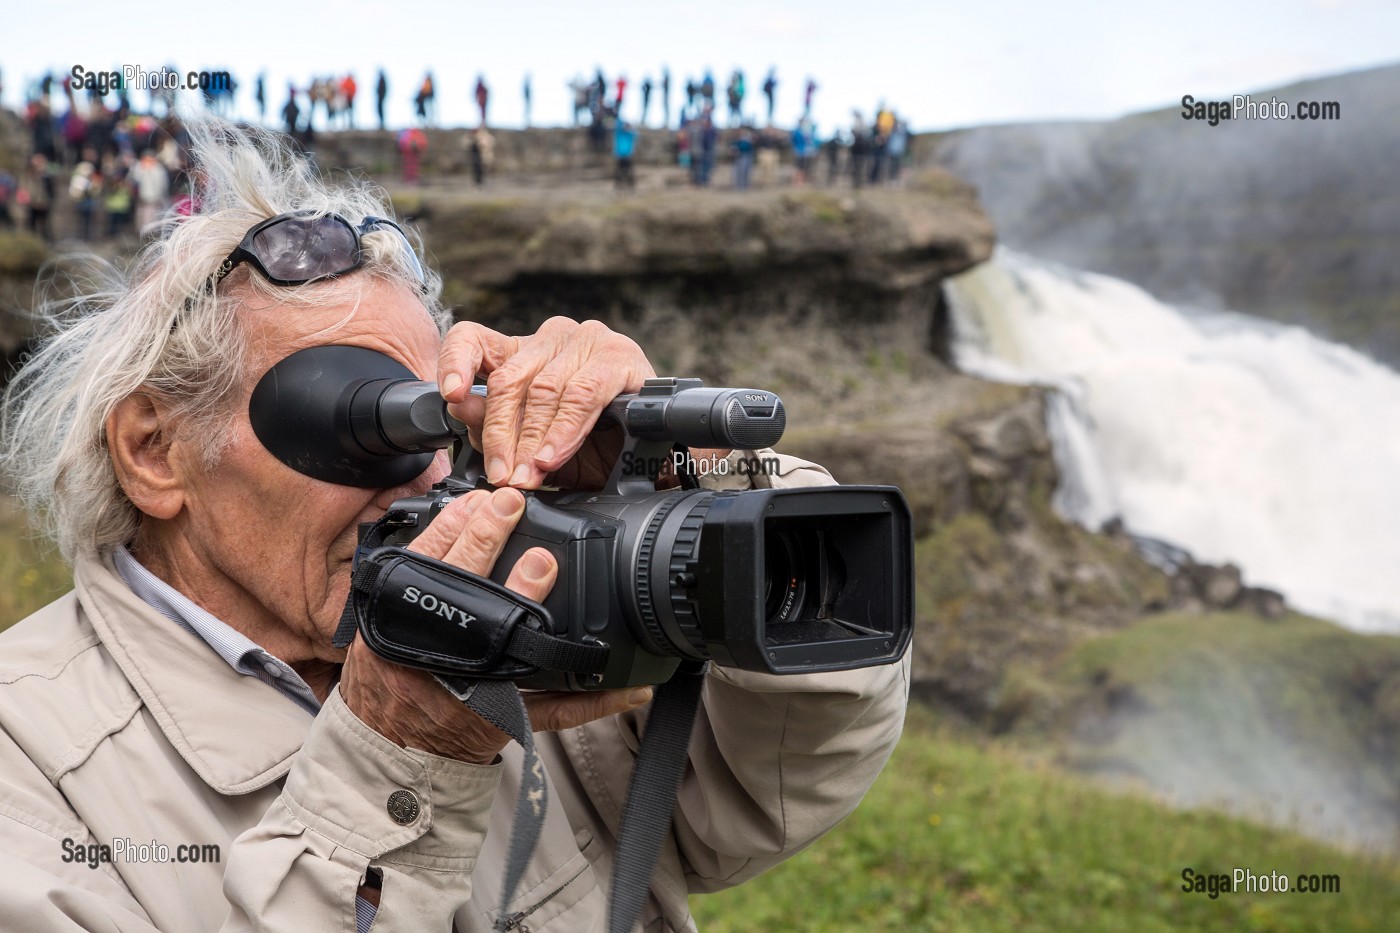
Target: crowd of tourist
{"x": 119, "y": 169}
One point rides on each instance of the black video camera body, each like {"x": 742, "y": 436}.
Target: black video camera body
{"x": 791, "y": 580}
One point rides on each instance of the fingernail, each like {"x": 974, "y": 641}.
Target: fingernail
{"x": 496, "y": 471}
{"x": 451, "y": 384}
{"x": 521, "y": 474}
{"x": 535, "y": 566}
{"x": 545, "y": 454}
{"x": 505, "y": 505}
{"x": 639, "y": 696}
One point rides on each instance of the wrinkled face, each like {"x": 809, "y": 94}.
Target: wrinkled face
{"x": 265, "y": 548}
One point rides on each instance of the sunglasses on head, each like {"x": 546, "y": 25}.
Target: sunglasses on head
{"x": 300, "y": 247}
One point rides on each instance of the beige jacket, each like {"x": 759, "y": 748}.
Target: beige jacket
{"x": 116, "y": 725}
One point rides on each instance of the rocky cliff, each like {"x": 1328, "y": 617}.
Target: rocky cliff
{"x": 698, "y": 271}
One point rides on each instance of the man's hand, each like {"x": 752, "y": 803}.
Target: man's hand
{"x": 545, "y": 393}
{"x": 409, "y": 707}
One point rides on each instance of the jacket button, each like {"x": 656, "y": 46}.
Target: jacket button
{"x": 403, "y": 807}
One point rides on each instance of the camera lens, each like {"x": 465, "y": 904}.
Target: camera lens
{"x": 784, "y": 584}
{"x": 779, "y": 580}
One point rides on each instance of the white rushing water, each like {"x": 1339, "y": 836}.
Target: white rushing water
{"x": 1237, "y": 439}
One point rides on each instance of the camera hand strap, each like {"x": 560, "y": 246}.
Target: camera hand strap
{"x": 505, "y": 630}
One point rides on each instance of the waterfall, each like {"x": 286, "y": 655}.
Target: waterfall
{"x": 1237, "y": 439}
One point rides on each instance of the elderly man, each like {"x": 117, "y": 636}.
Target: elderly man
{"x": 181, "y": 746}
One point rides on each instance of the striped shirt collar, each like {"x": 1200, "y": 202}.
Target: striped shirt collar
{"x": 239, "y": 651}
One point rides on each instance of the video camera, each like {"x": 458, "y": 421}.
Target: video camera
{"x": 786, "y": 581}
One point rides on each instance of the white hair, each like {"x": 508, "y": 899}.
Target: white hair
{"x": 156, "y": 327}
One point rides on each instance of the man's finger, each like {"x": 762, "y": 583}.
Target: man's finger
{"x": 534, "y": 574}
{"x": 541, "y": 408}
{"x": 479, "y": 545}
{"x": 471, "y": 348}
{"x": 437, "y": 539}
{"x": 551, "y": 712}
{"x": 583, "y": 400}
{"x": 508, "y": 389}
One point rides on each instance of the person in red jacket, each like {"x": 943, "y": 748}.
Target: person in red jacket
{"x": 348, "y": 88}
{"x": 483, "y": 94}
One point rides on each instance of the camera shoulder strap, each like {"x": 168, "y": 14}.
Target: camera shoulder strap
{"x": 651, "y": 796}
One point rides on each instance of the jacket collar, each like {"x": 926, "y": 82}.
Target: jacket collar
{"x": 236, "y": 732}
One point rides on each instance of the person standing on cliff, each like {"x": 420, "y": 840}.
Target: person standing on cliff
{"x": 348, "y": 87}
{"x": 482, "y": 149}
{"x": 895, "y": 149}
{"x": 665, "y": 97}
{"x": 807, "y": 99}
{"x": 743, "y": 150}
{"x": 381, "y": 91}
{"x": 770, "y": 88}
{"x": 260, "y": 95}
{"x": 860, "y": 148}
{"x": 291, "y": 113}
{"x": 527, "y": 99}
{"x": 735, "y": 93}
{"x": 483, "y": 95}
{"x": 36, "y": 193}
{"x": 624, "y": 145}
{"x": 152, "y": 181}
{"x": 621, "y": 91}
{"x": 708, "y": 137}
{"x": 412, "y": 143}
{"x": 646, "y": 97}
{"x": 426, "y": 100}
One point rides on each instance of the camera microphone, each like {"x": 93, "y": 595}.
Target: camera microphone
{"x": 684, "y": 411}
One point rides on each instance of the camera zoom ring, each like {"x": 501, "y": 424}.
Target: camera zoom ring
{"x": 642, "y": 578}
{"x": 683, "y": 552}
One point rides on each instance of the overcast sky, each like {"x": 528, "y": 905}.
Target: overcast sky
{"x": 941, "y": 65}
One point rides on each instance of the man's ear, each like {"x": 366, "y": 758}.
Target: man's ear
{"x": 141, "y": 437}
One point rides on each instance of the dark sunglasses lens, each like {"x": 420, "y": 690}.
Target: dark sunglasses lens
{"x": 299, "y": 250}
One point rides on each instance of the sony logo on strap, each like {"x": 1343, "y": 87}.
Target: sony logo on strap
{"x": 430, "y": 603}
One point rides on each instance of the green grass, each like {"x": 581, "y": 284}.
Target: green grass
{"x": 966, "y": 835}
{"x": 31, "y": 574}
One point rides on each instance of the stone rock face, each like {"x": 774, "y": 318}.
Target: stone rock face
{"x": 513, "y": 258}
{"x": 1208, "y": 586}
{"x": 545, "y": 157}
{"x": 21, "y": 256}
